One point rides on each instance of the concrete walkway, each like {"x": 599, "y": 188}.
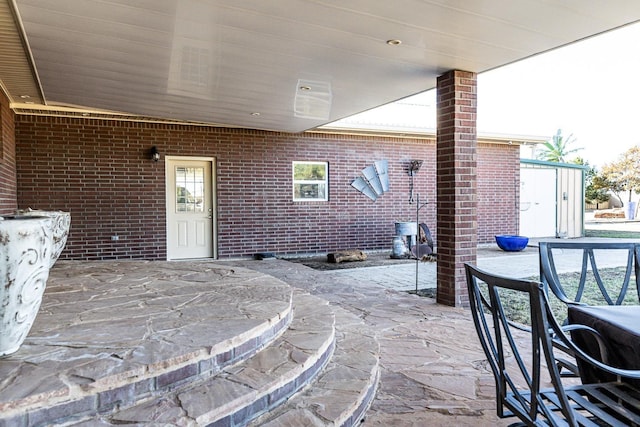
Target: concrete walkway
{"x": 402, "y": 277}
{"x": 524, "y": 264}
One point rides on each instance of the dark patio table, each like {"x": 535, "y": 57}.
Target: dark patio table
{"x": 619, "y": 326}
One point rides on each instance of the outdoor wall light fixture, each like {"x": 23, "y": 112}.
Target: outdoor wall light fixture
{"x": 154, "y": 153}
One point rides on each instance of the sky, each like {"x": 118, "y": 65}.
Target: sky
{"x": 590, "y": 89}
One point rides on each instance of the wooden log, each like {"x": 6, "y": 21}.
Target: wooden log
{"x": 348, "y": 255}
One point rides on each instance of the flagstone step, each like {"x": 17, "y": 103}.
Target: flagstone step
{"x": 110, "y": 335}
{"x": 241, "y": 392}
{"x": 344, "y": 390}
{"x": 315, "y": 374}
{"x": 190, "y": 344}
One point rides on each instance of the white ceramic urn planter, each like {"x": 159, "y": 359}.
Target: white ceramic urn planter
{"x": 59, "y": 229}
{"x": 25, "y": 260}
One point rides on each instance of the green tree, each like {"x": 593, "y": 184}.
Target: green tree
{"x": 557, "y": 149}
{"x": 596, "y": 188}
{"x": 599, "y": 185}
{"x": 623, "y": 174}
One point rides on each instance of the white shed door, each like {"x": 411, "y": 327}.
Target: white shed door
{"x": 537, "y": 202}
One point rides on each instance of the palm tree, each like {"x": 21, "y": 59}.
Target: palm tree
{"x": 557, "y": 149}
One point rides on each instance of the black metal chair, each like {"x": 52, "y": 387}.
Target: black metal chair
{"x": 519, "y": 378}
{"x": 589, "y": 266}
{"x": 551, "y": 253}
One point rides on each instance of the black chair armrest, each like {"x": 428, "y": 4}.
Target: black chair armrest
{"x": 603, "y": 349}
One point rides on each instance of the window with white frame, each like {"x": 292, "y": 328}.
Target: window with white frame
{"x": 310, "y": 181}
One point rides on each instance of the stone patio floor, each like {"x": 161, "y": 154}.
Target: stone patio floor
{"x": 433, "y": 370}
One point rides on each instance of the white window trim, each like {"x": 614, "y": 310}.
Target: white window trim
{"x": 306, "y": 181}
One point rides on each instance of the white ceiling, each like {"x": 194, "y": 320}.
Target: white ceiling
{"x": 287, "y": 65}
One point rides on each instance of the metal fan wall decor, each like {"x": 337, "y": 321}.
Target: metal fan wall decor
{"x": 374, "y": 180}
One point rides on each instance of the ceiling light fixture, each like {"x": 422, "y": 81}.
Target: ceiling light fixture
{"x": 394, "y": 42}
{"x": 25, "y": 96}
{"x": 256, "y": 114}
{"x": 312, "y": 99}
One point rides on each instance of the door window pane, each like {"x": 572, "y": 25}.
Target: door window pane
{"x": 189, "y": 189}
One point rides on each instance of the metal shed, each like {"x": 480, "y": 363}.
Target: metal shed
{"x": 551, "y": 199}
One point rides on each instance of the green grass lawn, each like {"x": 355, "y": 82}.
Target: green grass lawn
{"x": 614, "y": 234}
{"x": 517, "y": 308}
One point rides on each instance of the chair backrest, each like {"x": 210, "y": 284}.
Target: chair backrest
{"x": 589, "y": 258}
{"x": 516, "y": 357}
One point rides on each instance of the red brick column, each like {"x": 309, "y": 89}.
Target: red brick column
{"x": 8, "y": 180}
{"x": 457, "y": 218}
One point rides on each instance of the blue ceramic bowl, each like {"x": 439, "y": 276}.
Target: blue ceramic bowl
{"x": 511, "y": 243}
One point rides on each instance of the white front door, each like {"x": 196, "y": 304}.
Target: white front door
{"x": 190, "y": 210}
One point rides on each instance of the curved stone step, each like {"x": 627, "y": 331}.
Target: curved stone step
{"x": 109, "y": 335}
{"x": 243, "y": 391}
{"x": 344, "y": 390}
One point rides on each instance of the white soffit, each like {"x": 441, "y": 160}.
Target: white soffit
{"x": 242, "y": 63}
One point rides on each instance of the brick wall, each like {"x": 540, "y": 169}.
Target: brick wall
{"x": 498, "y": 186}
{"x": 8, "y": 200}
{"x": 99, "y": 170}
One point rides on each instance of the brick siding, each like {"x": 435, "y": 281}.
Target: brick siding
{"x": 99, "y": 170}
{"x": 498, "y": 186}
{"x": 8, "y": 195}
